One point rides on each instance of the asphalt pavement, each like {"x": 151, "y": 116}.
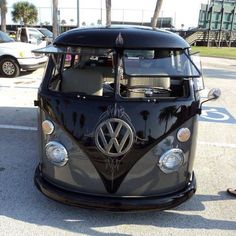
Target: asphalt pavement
{"x": 25, "y": 211}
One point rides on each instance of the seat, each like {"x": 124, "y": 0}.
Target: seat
{"x": 85, "y": 81}
{"x": 146, "y": 82}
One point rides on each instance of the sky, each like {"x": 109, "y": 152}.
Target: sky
{"x": 184, "y": 12}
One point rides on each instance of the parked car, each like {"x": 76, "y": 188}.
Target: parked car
{"x": 118, "y": 112}
{"x": 17, "y": 56}
{"x": 38, "y": 36}
{"x": 12, "y": 34}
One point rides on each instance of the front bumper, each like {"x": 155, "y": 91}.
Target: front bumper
{"x": 32, "y": 63}
{"x": 114, "y": 203}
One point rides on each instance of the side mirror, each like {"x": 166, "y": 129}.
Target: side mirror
{"x": 213, "y": 94}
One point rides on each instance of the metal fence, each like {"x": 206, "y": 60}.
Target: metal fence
{"x": 87, "y": 16}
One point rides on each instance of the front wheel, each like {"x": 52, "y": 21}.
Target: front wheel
{"x": 9, "y": 67}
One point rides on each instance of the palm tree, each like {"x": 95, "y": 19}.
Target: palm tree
{"x": 108, "y": 12}
{"x": 55, "y": 28}
{"x": 156, "y": 13}
{"x": 3, "y": 9}
{"x": 166, "y": 114}
{"x": 145, "y": 115}
{"x": 24, "y": 11}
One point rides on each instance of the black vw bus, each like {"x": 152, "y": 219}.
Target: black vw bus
{"x": 118, "y": 110}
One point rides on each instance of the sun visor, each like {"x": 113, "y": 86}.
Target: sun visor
{"x": 51, "y": 49}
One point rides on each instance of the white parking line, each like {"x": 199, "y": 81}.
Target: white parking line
{"x": 227, "y": 145}
{"x": 18, "y": 127}
{"x": 17, "y": 87}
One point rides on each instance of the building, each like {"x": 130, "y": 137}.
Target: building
{"x": 218, "y": 15}
{"x": 218, "y": 18}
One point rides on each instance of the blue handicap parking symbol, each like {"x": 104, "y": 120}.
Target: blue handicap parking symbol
{"x": 216, "y": 114}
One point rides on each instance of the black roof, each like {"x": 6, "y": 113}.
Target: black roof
{"x": 135, "y": 37}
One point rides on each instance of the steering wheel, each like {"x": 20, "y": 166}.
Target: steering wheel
{"x": 148, "y": 90}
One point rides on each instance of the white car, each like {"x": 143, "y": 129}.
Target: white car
{"x": 17, "y": 56}
{"x": 38, "y": 36}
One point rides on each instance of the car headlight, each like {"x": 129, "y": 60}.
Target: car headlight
{"x": 171, "y": 160}
{"x": 56, "y": 153}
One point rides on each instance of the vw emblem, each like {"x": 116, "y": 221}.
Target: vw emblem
{"x": 114, "y": 137}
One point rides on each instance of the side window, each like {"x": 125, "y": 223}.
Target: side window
{"x": 55, "y": 80}
{"x": 34, "y": 36}
{"x": 198, "y": 81}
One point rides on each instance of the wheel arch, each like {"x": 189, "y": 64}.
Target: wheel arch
{"x": 9, "y": 56}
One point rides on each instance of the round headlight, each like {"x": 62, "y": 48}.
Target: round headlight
{"x": 183, "y": 134}
{"x": 48, "y": 127}
{"x": 171, "y": 160}
{"x": 56, "y": 153}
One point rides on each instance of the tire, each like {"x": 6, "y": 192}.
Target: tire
{"x": 9, "y": 67}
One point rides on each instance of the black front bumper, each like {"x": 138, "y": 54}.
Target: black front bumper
{"x": 114, "y": 203}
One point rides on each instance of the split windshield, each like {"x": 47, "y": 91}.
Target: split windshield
{"x": 159, "y": 62}
{"x": 130, "y": 73}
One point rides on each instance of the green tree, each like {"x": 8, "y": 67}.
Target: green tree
{"x": 156, "y": 13}
{"x": 3, "y": 9}
{"x": 24, "y": 12}
{"x": 145, "y": 115}
{"x": 166, "y": 114}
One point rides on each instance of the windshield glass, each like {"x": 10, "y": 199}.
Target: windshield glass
{"x": 83, "y": 72}
{"x": 46, "y": 33}
{"x": 140, "y": 74}
{"x": 4, "y": 38}
{"x": 159, "y": 62}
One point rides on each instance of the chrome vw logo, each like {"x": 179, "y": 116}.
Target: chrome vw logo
{"x": 114, "y": 137}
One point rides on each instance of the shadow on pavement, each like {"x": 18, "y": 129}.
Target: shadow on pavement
{"x": 22, "y": 73}
{"x": 219, "y": 73}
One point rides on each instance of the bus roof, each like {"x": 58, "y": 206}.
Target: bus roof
{"x": 131, "y": 37}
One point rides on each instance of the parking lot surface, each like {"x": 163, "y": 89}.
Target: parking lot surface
{"x": 25, "y": 211}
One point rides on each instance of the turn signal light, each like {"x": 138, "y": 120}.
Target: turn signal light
{"x": 48, "y": 127}
{"x": 183, "y": 134}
